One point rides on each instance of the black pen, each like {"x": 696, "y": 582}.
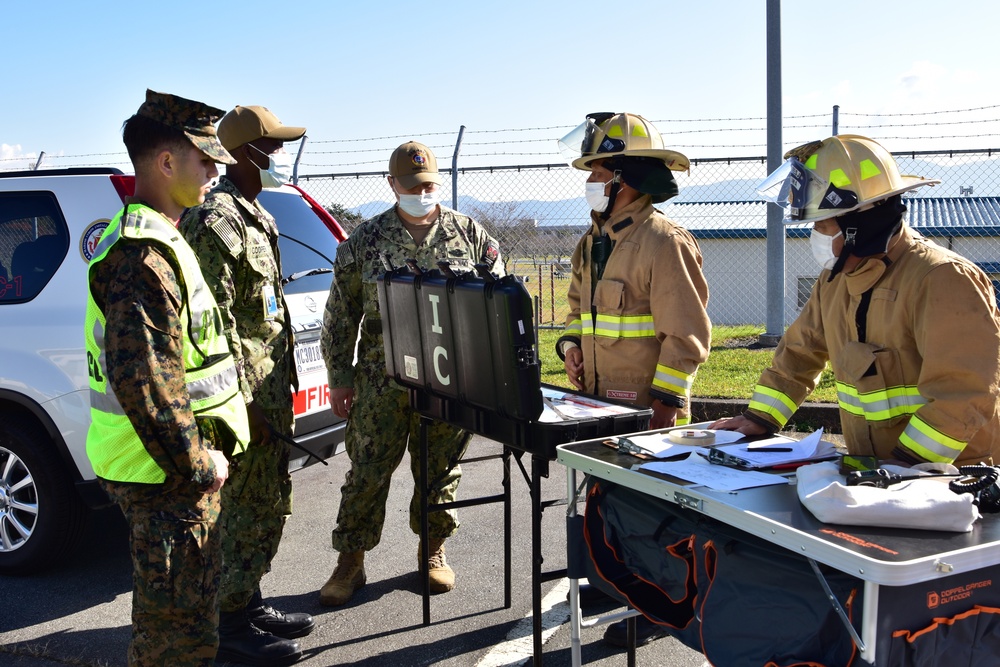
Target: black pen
{"x": 769, "y": 449}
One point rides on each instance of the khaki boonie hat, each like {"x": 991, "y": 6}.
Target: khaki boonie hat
{"x": 412, "y": 164}
{"x": 195, "y": 119}
{"x": 245, "y": 124}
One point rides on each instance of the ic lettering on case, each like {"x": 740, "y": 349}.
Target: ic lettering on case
{"x": 439, "y": 351}
{"x": 435, "y": 300}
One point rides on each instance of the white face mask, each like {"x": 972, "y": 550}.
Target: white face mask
{"x": 822, "y": 248}
{"x": 596, "y": 198}
{"x": 279, "y": 169}
{"x": 420, "y": 205}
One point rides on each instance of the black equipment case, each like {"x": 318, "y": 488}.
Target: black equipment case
{"x": 464, "y": 345}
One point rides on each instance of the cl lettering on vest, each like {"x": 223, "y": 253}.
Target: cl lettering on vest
{"x": 95, "y": 368}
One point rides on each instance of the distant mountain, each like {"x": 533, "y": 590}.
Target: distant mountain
{"x": 563, "y": 212}
{"x": 955, "y": 172}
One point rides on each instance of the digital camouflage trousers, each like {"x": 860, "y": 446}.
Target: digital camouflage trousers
{"x": 380, "y": 429}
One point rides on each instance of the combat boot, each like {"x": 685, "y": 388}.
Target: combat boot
{"x": 442, "y": 577}
{"x": 241, "y": 642}
{"x": 348, "y": 577}
{"x": 278, "y": 623}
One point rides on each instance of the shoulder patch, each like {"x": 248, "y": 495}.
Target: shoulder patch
{"x": 491, "y": 252}
{"x": 225, "y": 230}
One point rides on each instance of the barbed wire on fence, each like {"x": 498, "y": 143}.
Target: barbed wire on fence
{"x": 864, "y": 124}
{"x": 537, "y": 213}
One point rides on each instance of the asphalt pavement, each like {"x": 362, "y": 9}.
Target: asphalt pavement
{"x": 78, "y": 614}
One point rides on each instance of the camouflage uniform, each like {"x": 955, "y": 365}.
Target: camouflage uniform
{"x": 381, "y": 422}
{"x": 174, "y": 599}
{"x": 236, "y": 242}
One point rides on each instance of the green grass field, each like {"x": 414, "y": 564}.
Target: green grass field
{"x": 731, "y": 371}
{"x": 733, "y": 365}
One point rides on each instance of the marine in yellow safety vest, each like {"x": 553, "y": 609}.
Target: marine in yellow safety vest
{"x": 165, "y": 398}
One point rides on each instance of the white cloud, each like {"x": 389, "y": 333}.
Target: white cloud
{"x": 13, "y": 158}
{"x": 915, "y": 105}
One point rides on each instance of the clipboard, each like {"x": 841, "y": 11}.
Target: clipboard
{"x": 625, "y": 446}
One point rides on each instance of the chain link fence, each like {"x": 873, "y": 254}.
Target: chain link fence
{"x": 537, "y": 213}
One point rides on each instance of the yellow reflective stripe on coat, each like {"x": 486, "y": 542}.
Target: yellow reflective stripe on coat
{"x": 930, "y": 444}
{"x": 879, "y": 405}
{"x": 772, "y": 402}
{"x": 574, "y": 328}
{"x": 620, "y": 326}
{"x": 673, "y": 380}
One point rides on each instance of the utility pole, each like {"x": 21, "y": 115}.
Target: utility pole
{"x": 298, "y": 156}
{"x": 454, "y": 169}
{"x": 775, "y": 227}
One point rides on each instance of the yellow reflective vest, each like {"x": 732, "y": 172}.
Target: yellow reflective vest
{"x": 113, "y": 446}
{"x": 642, "y": 325}
{"x": 914, "y": 344}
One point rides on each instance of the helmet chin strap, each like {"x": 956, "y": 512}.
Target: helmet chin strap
{"x": 849, "y": 236}
{"x": 868, "y": 232}
{"x": 615, "y": 187}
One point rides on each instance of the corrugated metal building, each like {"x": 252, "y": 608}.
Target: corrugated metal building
{"x": 732, "y": 236}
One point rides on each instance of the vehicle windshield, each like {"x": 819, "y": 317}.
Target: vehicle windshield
{"x": 305, "y": 241}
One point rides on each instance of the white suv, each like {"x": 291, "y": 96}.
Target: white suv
{"x": 50, "y": 222}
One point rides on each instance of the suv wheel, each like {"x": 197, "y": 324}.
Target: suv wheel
{"x": 41, "y": 516}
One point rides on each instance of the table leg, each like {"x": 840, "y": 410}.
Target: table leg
{"x": 869, "y": 622}
{"x": 574, "y": 583}
{"x": 507, "y": 524}
{"x": 536, "y": 560}
{"x": 425, "y": 579}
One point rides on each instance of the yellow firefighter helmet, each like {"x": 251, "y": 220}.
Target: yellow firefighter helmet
{"x": 825, "y": 179}
{"x": 606, "y": 135}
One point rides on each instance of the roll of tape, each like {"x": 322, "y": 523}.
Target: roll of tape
{"x": 691, "y": 437}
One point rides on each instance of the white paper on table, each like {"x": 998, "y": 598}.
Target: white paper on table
{"x": 662, "y": 447}
{"x": 562, "y": 406}
{"x": 722, "y": 478}
{"x": 809, "y": 448}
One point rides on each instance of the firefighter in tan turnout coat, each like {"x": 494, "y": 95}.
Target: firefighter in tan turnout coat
{"x": 911, "y": 330}
{"x": 637, "y": 329}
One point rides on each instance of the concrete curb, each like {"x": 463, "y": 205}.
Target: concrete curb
{"x": 809, "y": 416}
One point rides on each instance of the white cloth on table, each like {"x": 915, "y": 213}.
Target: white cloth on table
{"x": 926, "y": 504}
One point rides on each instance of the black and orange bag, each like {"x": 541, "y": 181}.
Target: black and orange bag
{"x": 740, "y": 600}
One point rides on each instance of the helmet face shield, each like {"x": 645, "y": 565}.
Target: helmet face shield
{"x": 792, "y": 187}
{"x": 580, "y": 141}
{"x": 774, "y": 188}
{"x": 575, "y": 142}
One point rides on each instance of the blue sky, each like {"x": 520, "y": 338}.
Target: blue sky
{"x": 366, "y": 76}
